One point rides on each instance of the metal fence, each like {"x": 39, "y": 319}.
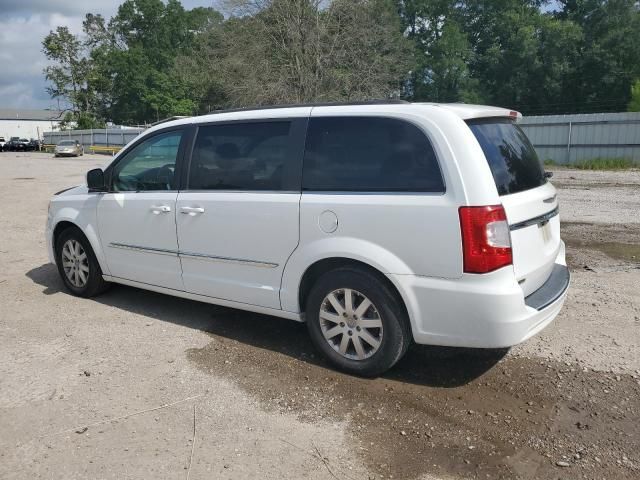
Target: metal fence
{"x": 568, "y": 139}
{"x": 114, "y": 137}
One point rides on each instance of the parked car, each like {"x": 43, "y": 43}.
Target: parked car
{"x": 2, "y": 143}
{"x": 5, "y": 147}
{"x": 17, "y": 144}
{"x": 34, "y": 144}
{"x": 377, "y": 224}
{"x": 68, "y": 148}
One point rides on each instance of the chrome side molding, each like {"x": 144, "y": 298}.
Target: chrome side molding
{"x": 199, "y": 256}
{"x": 214, "y": 258}
{"x": 159, "y": 251}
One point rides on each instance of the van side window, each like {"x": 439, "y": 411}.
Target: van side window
{"x": 243, "y": 156}
{"x": 149, "y": 166}
{"x": 369, "y": 154}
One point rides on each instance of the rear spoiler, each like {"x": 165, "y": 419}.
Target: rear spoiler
{"x": 476, "y": 112}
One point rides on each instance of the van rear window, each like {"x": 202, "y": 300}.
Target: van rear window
{"x": 512, "y": 159}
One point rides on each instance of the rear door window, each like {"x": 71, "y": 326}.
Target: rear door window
{"x": 369, "y": 154}
{"x": 513, "y": 161}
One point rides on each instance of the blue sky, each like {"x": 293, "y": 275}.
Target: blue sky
{"x": 23, "y": 25}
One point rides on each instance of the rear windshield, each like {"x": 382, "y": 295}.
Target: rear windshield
{"x": 67, "y": 142}
{"x": 513, "y": 160}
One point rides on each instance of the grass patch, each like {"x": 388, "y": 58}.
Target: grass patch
{"x": 604, "y": 164}
{"x": 596, "y": 164}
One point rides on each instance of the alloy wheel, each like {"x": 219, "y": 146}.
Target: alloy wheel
{"x": 351, "y": 324}
{"x": 75, "y": 263}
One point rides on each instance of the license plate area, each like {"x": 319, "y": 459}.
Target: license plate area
{"x": 545, "y": 230}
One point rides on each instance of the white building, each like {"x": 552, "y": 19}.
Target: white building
{"x": 17, "y": 122}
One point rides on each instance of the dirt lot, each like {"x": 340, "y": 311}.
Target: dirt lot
{"x": 113, "y": 387}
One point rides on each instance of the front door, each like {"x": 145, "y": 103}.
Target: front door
{"x": 238, "y": 218}
{"x": 137, "y": 217}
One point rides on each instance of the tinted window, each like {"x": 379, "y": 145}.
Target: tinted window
{"x": 243, "y": 156}
{"x": 362, "y": 154}
{"x": 513, "y": 160}
{"x": 149, "y": 166}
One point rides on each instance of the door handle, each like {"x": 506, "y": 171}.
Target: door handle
{"x": 191, "y": 210}
{"x": 158, "y": 209}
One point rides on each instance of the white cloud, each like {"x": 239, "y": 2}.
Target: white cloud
{"x": 23, "y": 26}
{"x": 22, "y": 82}
{"x": 62, "y": 7}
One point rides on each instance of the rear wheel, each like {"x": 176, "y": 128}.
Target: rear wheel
{"x": 356, "y": 321}
{"x": 77, "y": 264}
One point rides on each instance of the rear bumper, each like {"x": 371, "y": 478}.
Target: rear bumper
{"x": 551, "y": 290}
{"x": 481, "y": 311}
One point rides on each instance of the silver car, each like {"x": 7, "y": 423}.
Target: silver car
{"x": 71, "y": 148}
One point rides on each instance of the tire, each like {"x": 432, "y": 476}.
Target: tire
{"x": 392, "y": 339}
{"x": 87, "y": 280}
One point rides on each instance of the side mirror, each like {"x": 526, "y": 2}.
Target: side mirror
{"x": 95, "y": 180}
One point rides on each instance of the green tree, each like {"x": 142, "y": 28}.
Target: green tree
{"x": 69, "y": 76}
{"x": 155, "y": 59}
{"x": 442, "y": 52}
{"x": 135, "y": 52}
{"x": 609, "y": 58}
{"x": 522, "y": 57}
{"x": 503, "y": 52}
{"x": 634, "y": 104}
{"x": 295, "y": 51}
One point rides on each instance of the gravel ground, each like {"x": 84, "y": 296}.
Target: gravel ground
{"x": 112, "y": 387}
{"x": 599, "y": 197}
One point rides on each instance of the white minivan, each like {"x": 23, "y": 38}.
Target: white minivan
{"x": 377, "y": 224}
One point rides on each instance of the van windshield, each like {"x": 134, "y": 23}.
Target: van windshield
{"x": 512, "y": 159}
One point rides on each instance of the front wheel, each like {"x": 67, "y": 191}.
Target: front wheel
{"x": 77, "y": 264}
{"x": 357, "y": 322}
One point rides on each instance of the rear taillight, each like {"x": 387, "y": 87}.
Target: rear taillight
{"x": 486, "y": 243}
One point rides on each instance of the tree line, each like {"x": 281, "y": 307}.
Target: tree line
{"x": 156, "y": 59}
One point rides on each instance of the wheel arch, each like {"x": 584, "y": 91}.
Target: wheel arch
{"x": 88, "y": 232}
{"x": 320, "y": 267}
{"x": 60, "y": 227}
{"x": 332, "y": 251}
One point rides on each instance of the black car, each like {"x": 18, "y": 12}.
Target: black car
{"x": 34, "y": 145}
{"x": 9, "y": 143}
{"x": 17, "y": 145}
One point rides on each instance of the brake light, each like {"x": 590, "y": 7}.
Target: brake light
{"x": 486, "y": 242}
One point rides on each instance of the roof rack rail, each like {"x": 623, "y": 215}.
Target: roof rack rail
{"x": 321, "y": 104}
{"x": 168, "y": 119}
